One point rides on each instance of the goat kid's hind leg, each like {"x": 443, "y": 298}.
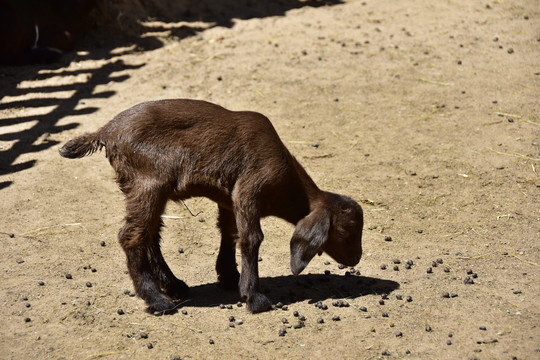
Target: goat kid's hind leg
{"x": 227, "y": 273}
{"x": 138, "y": 238}
{"x": 251, "y": 236}
{"x": 173, "y": 287}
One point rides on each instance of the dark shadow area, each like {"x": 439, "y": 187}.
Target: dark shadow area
{"x": 34, "y": 137}
{"x": 291, "y": 289}
{"x": 118, "y": 28}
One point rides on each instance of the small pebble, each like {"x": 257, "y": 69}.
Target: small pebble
{"x": 302, "y": 318}
{"x": 446, "y": 269}
{"x": 387, "y": 238}
{"x": 399, "y": 297}
{"x": 41, "y": 283}
{"x": 397, "y": 261}
{"x": 326, "y": 272}
{"x": 510, "y": 50}
{"x": 429, "y": 270}
{"x": 383, "y": 266}
{"x": 409, "y": 298}
{"x": 434, "y": 264}
{"x": 474, "y": 275}
{"x": 453, "y": 295}
{"x": 231, "y": 318}
{"x": 239, "y": 322}
{"x": 428, "y": 328}
{"x": 410, "y": 262}
{"x": 407, "y": 266}
{"x": 120, "y": 312}
{"x": 336, "y": 318}
{"x": 295, "y": 313}
{"x": 127, "y": 292}
{"x": 27, "y": 305}
{"x": 381, "y": 302}
{"x": 446, "y": 295}
{"x": 211, "y": 342}
{"x": 399, "y": 334}
{"x": 231, "y": 324}
{"x": 483, "y": 328}
{"x": 384, "y": 314}
{"x": 88, "y": 284}
{"x": 102, "y": 243}
{"x": 68, "y": 276}
{"x": 385, "y": 353}
{"x": 468, "y": 280}
{"x": 150, "y": 346}
{"x": 144, "y": 335}
{"x": 469, "y": 271}
{"x": 181, "y": 251}
{"x": 221, "y": 306}
{"x": 439, "y": 260}
{"x": 396, "y": 268}
{"x": 510, "y": 120}
{"x": 363, "y": 308}
{"x": 285, "y": 321}
{"x": 298, "y": 325}
{"x": 229, "y": 307}
{"x": 448, "y": 342}
{"x": 282, "y": 332}
{"x": 27, "y": 319}
{"x": 320, "y": 320}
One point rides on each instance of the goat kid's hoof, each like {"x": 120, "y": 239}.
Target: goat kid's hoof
{"x": 258, "y": 303}
{"x": 161, "y": 307}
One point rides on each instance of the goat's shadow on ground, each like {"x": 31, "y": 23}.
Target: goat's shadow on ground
{"x": 292, "y": 289}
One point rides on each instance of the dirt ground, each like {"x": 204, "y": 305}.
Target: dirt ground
{"x": 427, "y": 113}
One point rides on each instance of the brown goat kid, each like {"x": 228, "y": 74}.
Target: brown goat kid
{"x": 178, "y": 149}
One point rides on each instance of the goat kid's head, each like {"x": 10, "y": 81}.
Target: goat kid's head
{"x": 335, "y": 227}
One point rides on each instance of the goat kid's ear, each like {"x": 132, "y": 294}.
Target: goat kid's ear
{"x": 309, "y": 237}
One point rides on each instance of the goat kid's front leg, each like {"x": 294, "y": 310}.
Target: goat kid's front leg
{"x": 251, "y": 237}
{"x": 227, "y": 272}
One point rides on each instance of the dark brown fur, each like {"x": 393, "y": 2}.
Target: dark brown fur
{"x": 177, "y": 149}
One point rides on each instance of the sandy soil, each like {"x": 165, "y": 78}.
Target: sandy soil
{"x": 427, "y": 113}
